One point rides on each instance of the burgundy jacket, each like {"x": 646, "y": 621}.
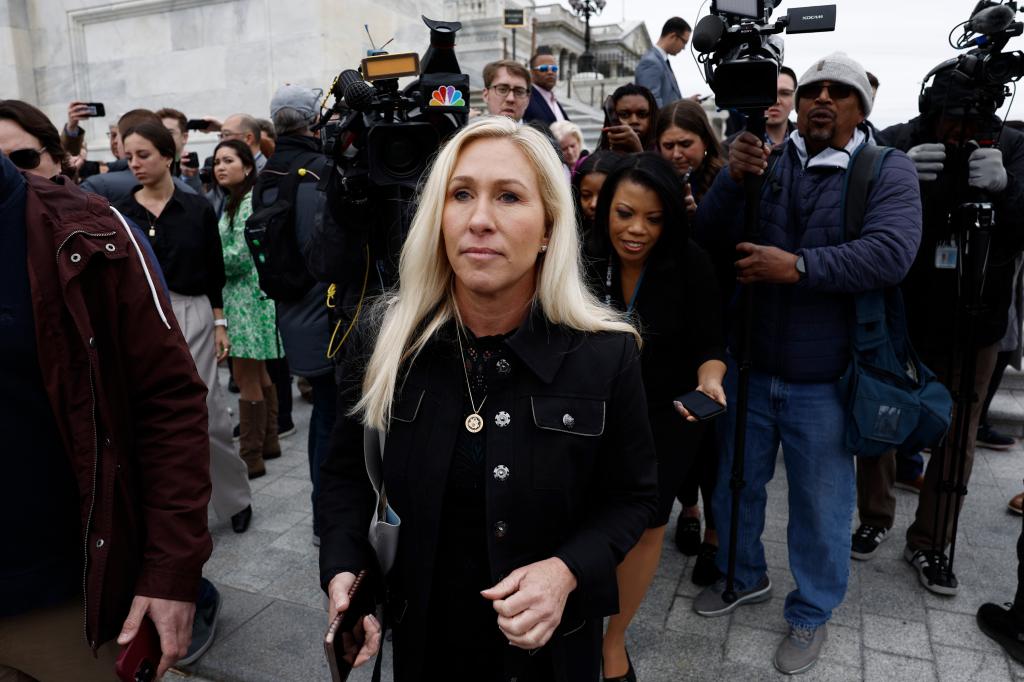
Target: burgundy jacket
{"x": 128, "y": 402}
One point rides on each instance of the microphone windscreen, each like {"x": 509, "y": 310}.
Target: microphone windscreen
{"x": 991, "y": 20}
{"x": 707, "y": 33}
{"x": 359, "y": 95}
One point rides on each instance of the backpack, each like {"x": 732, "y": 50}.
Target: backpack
{"x": 893, "y": 401}
{"x": 270, "y": 235}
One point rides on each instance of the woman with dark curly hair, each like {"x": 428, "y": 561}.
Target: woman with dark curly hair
{"x": 628, "y": 119}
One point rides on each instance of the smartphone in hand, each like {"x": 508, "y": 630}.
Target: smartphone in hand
{"x": 345, "y": 636}
{"x": 191, "y": 160}
{"x": 197, "y": 124}
{"x": 701, "y": 406}
{"x": 140, "y": 658}
{"x": 96, "y": 109}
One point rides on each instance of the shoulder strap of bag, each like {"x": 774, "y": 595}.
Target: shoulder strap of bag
{"x": 870, "y": 330}
{"x": 373, "y": 454}
{"x": 289, "y": 182}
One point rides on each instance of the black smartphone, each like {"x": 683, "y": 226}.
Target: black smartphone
{"x": 197, "y": 124}
{"x": 345, "y": 636}
{"x": 191, "y": 160}
{"x": 140, "y": 658}
{"x": 206, "y": 176}
{"x": 96, "y": 109}
{"x": 609, "y": 111}
{"x": 701, "y": 406}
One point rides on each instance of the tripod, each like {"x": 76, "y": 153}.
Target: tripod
{"x": 752, "y": 185}
{"x": 975, "y": 222}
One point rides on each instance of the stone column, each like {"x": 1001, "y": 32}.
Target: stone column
{"x": 17, "y": 77}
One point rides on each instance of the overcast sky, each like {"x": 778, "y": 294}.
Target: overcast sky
{"x": 898, "y": 40}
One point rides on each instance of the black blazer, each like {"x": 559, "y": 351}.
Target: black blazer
{"x": 538, "y": 109}
{"x": 581, "y": 484}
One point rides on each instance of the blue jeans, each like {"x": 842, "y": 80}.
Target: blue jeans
{"x": 807, "y": 419}
{"x": 321, "y": 423}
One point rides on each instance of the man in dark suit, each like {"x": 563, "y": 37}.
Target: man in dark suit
{"x": 544, "y": 108}
{"x": 654, "y": 72}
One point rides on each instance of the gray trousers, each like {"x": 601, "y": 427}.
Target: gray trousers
{"x": 230, "y": 477}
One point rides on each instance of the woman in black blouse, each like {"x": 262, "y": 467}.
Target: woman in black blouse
{"x": 518, "y": 453}
{"x": 182, "y": 229}
{"x": 649, "y": 268}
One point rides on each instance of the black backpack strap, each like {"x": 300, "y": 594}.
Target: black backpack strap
{"x": 864, "y": 169}
{"x": 288, "y": 183}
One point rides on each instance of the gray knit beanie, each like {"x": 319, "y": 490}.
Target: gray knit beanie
{"x": 838, "y": 68}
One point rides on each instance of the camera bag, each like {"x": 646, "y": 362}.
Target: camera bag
{"x": 893, "y": 400}
{"x": 270, "y": 235}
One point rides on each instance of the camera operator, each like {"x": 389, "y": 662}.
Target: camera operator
{"x": 305, "y": 329}
{"x": 805, "y": 275}
{"x": 933, "y": 298}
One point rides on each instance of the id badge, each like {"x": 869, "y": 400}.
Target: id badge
{"x": 946, "y": 255}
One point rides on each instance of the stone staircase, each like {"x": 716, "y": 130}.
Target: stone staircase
{"x": 1007, "y": 410}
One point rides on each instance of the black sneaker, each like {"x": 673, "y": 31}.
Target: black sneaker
{"x": 688, "y": 535}
{"x": 932, "y": 570}
{"x": 204, "y": 626}
{"x": 866, "y": 540}
{"x": 705, "y": 572}
{"x": 993, "y": 440}
{"x": 999, "y": 623}
{"x": 286, "y": 429}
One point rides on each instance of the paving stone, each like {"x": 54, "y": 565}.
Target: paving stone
{"x": 959, "y": 630}
{"x": 962, "y": 665}
{"x": 890, "y": 588}
{"x": 282, "y": 642}
{"x": 897, "y": 636}
{"x": 682, "y": 618}
{"x": 751, "y": 646}
{"x": 881, "y": 667}
{"x": 842, "y": 646}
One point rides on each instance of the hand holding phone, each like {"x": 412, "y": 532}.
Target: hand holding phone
{"x": 354, "y": 635}
{"x": 140, "y": 658}
{"x": 698, "y": 406}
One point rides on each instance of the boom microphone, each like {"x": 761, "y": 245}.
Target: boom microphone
{"x": 708, "y": 32}
{"x": 990, "y": 20}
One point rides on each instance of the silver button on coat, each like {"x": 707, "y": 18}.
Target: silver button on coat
{"x": 502, "y": 419}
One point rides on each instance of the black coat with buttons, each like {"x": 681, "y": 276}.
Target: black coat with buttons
{"x": 574, "y": 477}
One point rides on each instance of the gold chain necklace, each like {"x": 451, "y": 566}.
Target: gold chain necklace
{"x": 474, "y": 422}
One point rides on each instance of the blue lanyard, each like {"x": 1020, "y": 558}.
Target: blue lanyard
{"x": 636, "y": 289}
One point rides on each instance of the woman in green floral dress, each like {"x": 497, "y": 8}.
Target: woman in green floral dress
{"x": 252, "y": 327}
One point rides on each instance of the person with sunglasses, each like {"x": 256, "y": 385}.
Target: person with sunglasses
{"x": 544, "y": 107}
{"x": 803, "y": 272}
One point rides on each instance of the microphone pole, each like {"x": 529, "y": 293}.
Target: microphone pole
{"x": 752, "y": 185}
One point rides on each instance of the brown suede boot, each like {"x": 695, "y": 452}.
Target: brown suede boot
{"x": 271, "y": 446}
{"x": 252, "y": 416}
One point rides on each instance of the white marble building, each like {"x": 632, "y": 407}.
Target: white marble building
{"x": 205, "y": 57}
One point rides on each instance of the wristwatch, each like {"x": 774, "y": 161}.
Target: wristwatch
{"x": 220, "y": 323}
{"x": 801, "y": 267}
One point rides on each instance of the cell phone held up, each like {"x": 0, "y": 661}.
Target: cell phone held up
{"x": 197, "y": 124}
{"x": 701, "y": 406}
{"x": 345, "y": 636}
{"x": 95, "y": 109}
{"x": 191, "y": 160}
{"x": 140, "y": 658}
{"x": 610, "y": 116}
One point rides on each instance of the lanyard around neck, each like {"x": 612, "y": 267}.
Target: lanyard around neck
{"x": 636, "y": 289}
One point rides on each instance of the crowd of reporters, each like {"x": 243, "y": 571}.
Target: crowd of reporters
{"x": 658, "y": 208}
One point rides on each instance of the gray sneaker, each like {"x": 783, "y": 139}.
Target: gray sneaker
{"x": 800, "y": 650}
{"x": 710, "y": 602}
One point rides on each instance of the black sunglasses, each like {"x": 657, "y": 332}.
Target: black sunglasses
{"x": 835, "y": 90}
{"x": 26, "y": 159}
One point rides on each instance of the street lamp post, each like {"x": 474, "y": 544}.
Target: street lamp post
{"x": 586, "y": 9}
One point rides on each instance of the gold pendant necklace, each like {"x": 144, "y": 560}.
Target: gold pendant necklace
{"x": 474, "y": 422}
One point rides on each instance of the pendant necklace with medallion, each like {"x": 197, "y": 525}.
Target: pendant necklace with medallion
{"x": 474, "y": 422}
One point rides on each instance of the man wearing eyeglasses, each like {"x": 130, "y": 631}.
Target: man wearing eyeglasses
{"x": 544, "y": 108}
{"x": 506, "y": 89}
{"x": 803, "y": 272}
{"x": 654, "y": 72}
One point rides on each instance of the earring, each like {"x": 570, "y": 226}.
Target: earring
{"x": 543, "y": 248}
